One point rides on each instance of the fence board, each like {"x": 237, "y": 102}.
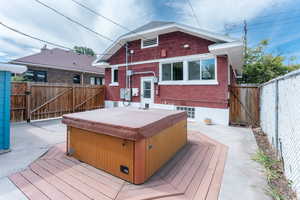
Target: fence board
{"x": 44, "y": 100}
{"x": 244, "y": 105}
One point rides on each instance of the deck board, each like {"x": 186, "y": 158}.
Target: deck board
{"x": 195, "y": 172}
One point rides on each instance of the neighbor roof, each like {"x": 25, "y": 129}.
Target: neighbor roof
{"x": 61, "y": 59}
{"x": 161, "y": 27}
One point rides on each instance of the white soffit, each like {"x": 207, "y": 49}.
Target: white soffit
{"x": 18, "y": 69}
{"x": 234, "y": 51}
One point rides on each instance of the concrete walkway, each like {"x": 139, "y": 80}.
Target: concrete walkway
{"x": 242, "y": 178}
{"x": 28, "y": 142}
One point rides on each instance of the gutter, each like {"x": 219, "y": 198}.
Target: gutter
{"x": 53, "y": 67}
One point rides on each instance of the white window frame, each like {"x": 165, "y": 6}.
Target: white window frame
{"x": 155, "y": 45}
{"x": 185, "y": 80}
{"x": 112, "y": 83}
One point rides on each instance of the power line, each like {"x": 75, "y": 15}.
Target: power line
{"x": 38, "y": 39}
{"x": 76, "y": 22}
{"x": 194, "y": 14}
{"x": 33, "y": 37}
{"x": 108, "y": 19}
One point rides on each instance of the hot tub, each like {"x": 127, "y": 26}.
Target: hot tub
{"x": 126, "y": 142}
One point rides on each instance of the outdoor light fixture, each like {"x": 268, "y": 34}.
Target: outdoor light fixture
{"x": 186, "y": 46}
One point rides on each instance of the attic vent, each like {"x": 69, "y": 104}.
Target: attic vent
{"x": 152, "y": 42}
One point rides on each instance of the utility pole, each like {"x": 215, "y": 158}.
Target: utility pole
{"x": 245, "y": 36}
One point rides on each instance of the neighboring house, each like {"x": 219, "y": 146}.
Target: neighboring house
{"x": 61, "y": 66}
{"x": 173, "y": 66}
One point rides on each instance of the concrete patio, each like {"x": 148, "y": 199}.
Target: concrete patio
{"x": 242, "y": 176}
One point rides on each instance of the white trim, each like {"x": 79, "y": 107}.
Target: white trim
{"x": 147, "y": 78}
{"x": 19, "y": 69}
{"x": 200, "y": 82}
{"x": 112, "y": 82}
{"x": 185, "y": 80}
{"x": 173, "y": 59}
{"x": 163, "y": 30}
{"x": 154, "y": 45}
{"x": 54, "y": 67}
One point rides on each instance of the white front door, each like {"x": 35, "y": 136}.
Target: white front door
{"x": 147, "y": 90}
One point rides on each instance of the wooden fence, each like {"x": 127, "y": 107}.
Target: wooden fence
{"x": 33, "y": 101}
{"x": 244, "y": 105}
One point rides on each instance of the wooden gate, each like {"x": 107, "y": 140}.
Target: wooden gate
{"x": 33, "y": 101}
{"x": 244, "y": 105}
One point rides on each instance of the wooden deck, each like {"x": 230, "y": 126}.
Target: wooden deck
{"x": 194, "y": 173}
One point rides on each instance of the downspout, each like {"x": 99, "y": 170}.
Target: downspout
{"x": 126, "y": 64}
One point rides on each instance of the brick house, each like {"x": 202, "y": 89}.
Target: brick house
{"x": 173, "y": 66}
{"x": 61, "y": 66}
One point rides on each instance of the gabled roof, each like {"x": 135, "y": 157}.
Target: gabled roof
{"x": 154, "y": 28}
{"x": 61, "y": 59}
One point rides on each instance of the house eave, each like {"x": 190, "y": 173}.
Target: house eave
{"x": 53, "y": 67}
{"x": 17, "y": 69}
{"x": 234, "y": 51}
{"x": 163, "y": 30}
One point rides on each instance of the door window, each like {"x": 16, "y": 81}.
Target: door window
{"x": 147, "y": 89}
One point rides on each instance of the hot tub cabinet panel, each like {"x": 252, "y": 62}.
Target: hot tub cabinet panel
{"x": 134, "y": 160}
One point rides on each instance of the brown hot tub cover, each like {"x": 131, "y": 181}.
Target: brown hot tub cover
{"x": 127, "y": 123}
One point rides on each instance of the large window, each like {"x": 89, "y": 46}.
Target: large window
{"x": 172, "y": 71}
{"x": 36, "y": 76}
{"x": 201, "y": 69}
{"x": 191, "y": 71}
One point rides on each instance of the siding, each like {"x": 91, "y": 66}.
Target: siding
{"x": 63, "y": 76}
{"x": 288, "y": 122}
{"x": 4, "y": 110}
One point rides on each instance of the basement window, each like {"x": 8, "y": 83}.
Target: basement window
{"x": 190, "y": 111}
{"x": 151, "y": 42}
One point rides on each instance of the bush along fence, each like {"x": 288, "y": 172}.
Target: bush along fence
{"x": 279, "y": 118}
{"x": 33, "y": 101}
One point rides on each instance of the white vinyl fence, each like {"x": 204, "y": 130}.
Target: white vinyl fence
{"x": 280, "y": 120}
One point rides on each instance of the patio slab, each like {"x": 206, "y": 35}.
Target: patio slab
{"x": 243, "y": 177}
{"x": 30, "y": 141}
{"x": 195, "y": 172}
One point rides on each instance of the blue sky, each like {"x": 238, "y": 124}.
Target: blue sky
{"x": 275, "y": 20}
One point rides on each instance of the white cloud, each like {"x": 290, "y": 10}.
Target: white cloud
{"x": 214, "y": 14}
{"x": 32, "y": 18}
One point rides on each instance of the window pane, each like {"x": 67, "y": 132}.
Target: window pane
{"x": 208, "y": 69}
{"x": 194, "y": 70}
{"x": 166, "y": 72}
{"x": 92, "y": 80}
{"x": 147, "y": 93}
{"x": 76, "y": 79}
{"x": 147, "y": 84}
{"x": 41, "y": 76}
{"x": 116, "y": 73}
{"x": 29, "y": 75}
{"x": 177, "y": 71}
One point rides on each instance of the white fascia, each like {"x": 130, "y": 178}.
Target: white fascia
{"x": 18, "y": 69}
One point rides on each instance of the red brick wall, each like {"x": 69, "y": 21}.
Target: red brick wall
{"x": 213, "y": 96}
{"x": 171, "y": 42}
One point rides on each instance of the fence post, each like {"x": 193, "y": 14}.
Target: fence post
{"x": 28, "y": 98}
{"x": 73, "y": 98}
{"x": 276, "y": 116}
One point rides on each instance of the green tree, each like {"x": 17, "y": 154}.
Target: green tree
{"x": 261, "y": 66}
{"x": 84, "y": 50}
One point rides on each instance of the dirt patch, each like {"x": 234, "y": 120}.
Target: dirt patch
{"x": 279, "y": 186}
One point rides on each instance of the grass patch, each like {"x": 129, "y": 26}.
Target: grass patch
{"x": 279, "y": 188}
